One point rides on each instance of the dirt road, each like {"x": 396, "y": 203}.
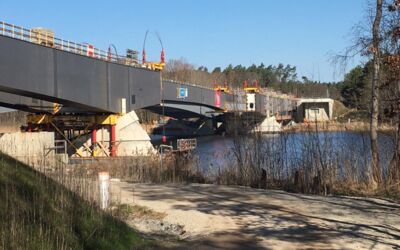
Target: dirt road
{"x": 220, "y": 217}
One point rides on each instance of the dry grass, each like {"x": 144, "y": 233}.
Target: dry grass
{"x": 38, "y": 213}
{"x": 332, "y": 126}
{"x": 317, "y": 162}
{"x": 126, "y": 211}
{"x": 170, "y": 168}
{"x": 339, "y": 109}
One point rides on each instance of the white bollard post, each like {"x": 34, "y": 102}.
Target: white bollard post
{"x": 104, "y": 185}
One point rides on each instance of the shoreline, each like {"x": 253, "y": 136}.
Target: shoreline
{"x": 336, "y": 127}
{"x": 309, "y": 127}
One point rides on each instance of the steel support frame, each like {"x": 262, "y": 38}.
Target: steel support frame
{"x": 45, "y": 121}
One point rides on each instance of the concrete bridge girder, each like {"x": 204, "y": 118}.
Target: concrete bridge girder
{"x": 183, "y": 111}
{"x": 198, "y": 95}
{"x": 84, "y": 83}
{"x": 23, "y": 103}
{"x": 94, "y": 85}
{"x": 199, "y": 110}
{"x": 52, "y": 75}
{"x": 34, "y": 105}
{"x": 37, "y": 78}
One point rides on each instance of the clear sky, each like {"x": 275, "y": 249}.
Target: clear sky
{"x": 212, "y": 33}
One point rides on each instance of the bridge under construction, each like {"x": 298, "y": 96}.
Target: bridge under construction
{"x": 88, "y": 96}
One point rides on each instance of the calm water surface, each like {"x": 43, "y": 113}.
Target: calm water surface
{"x": 294, "y": 148}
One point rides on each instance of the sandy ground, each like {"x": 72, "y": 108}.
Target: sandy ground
{"x": 220, "y": 217}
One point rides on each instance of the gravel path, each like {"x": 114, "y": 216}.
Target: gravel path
{"x": 220, "y": 217}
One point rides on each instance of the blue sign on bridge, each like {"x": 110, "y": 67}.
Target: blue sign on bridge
{"x": 182, "y": 93}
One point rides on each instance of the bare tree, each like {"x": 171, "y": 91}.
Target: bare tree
{"x": 376, "y": 171}
{"x": 392, "y": 61}
{"x": 178, "y": 70}
{"x": 367, "y": 43}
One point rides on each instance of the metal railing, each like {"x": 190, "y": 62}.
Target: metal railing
{"x": 49, "y": 40}
{"x": 263, "y": 91}
{"x": 60, "y": 147}
{"x": 187, "y": 84}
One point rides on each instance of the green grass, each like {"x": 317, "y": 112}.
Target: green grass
{"x": 38, "y": 213}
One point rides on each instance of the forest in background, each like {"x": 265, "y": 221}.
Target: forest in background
{"x": 353, "y": 91}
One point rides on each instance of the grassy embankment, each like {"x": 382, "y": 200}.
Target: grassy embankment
{"x": 38, "y": 213}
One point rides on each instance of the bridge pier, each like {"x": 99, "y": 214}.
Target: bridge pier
{"x": 242, "y": 122}
{"x": 97, "y": 135}
{"x": 268, "y": 125}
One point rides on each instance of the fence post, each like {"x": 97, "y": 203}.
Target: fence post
{"x": 65, "y": 146}
{"x": 3, "y": 27}
{"x": 161, "y": 164}
{"x": 173, "y": 176}
{"x": 104, "y": 184}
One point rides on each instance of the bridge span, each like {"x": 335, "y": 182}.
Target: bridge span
{"x": 70, "y": 87}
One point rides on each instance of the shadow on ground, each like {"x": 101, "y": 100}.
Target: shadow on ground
{"x": 276, "y": 219}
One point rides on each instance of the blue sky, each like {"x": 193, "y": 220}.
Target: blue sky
{"x": 303, "y": 33}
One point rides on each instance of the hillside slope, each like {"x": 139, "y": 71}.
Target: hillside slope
{"x": 38, "y": 213}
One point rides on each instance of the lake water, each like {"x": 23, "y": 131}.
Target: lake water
{"x": 293, "y": 149}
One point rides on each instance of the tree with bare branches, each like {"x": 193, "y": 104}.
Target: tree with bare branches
{"x": 392, "y": 62}
{"x": 375, "y": 49}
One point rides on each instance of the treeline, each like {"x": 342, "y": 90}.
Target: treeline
{"x": 355, "y": 90}
{"x": 283, "y": 78}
